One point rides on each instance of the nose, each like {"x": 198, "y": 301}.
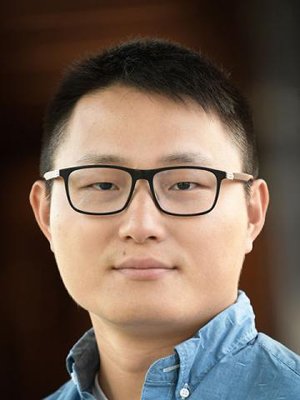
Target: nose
{"x": 142, "y": 220}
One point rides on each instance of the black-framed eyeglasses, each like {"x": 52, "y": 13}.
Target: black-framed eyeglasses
{"x": 179, "y": 190}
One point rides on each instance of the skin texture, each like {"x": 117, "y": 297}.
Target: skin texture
{"x": 137, "y": 322}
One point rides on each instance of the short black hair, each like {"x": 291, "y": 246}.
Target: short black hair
{"x": 153, "y": 66}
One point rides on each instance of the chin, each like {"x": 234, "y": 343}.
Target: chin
{"x": 137, "y": 316}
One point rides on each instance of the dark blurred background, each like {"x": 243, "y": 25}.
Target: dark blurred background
{"x": 257, "y": 41}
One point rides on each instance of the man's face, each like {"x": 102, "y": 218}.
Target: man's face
{"x": 205, "y": 252}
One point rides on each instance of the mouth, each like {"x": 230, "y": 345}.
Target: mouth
{"x": 143, "y": 269}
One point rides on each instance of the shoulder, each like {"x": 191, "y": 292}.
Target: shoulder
{"x": 66, "y": 392}
{"x": 263, "y": 369}
{"x": 270, "y": 368}
{"x": 278, "y": 355}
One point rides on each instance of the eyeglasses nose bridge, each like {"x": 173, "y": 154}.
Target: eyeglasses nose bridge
{"x": 143, "y": 175}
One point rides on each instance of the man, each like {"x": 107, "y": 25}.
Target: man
{"x": 150, "y": 201}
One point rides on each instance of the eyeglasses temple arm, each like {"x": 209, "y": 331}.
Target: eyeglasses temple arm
{"x": 51, "y": 174}
{"x": 240, "y": 176}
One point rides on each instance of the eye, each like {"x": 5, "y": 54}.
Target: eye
{"x": 184, "y": 186}
{"x": 104, "y": 186}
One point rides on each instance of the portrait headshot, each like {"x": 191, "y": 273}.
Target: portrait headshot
{"x": 151, "y": 191}
{"x": 151, "y": 199}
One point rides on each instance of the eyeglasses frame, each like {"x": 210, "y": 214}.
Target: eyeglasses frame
{"x": 147, "y": 174}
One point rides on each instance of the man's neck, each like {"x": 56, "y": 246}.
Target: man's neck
{"x": 126, "y": 358}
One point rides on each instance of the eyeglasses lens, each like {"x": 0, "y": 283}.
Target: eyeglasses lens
{"x": 179, "y": 191}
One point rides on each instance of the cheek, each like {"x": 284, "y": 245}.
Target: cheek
{"x": 79, "y": 242}
{"x": 74, "y": 235}
{"x": 215, "y": 246}
{"x": 79, "y": 255}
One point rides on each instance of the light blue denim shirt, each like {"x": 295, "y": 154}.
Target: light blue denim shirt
{"x": 225, "y": 360}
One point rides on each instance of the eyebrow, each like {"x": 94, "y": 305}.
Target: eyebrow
{"x": 173, "y": 158}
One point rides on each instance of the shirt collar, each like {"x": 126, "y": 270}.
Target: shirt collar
{"x": 83, "y": 361}
{"x": 230, "y": 330}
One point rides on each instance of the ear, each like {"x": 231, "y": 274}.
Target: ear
{"x": 257, "y": 208}
{"x": 41, "y": 208}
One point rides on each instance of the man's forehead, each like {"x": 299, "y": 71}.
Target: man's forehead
{"x": 150, "y": 134}
{"x": 196, "y": 158}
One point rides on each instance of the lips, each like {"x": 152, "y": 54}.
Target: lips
{"x": 143, "y": 263}
{"x": 143, "y": 269}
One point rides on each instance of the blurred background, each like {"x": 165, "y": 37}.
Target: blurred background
{"x": 257, "y": 41}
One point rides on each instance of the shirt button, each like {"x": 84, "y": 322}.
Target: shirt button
{"x": 184, "y": 392}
